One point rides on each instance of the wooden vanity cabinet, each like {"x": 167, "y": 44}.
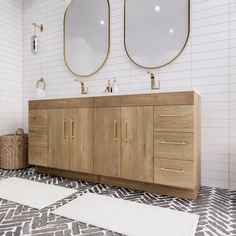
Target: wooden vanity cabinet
{"x": 137, "y": 143}
{"x": 67, "y": 126}
{"x": 71, "y": 139}
{"x": 38, "y": 137}
{"x": 147, "y": 142}
{"x": 123, "y": 142}
{"x": 107, "y": 141}
{"x": 58, "y": 138}
{"x": 81, "y": 143}
{"x": 176, "y": 145}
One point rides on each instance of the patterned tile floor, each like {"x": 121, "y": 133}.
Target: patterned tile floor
{"x": 216, "y": 207}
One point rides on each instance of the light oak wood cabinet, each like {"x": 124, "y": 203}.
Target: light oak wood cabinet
{"x": 137, "y": 143}
{"x": 123, "y": 142}
{"x": 58, "y": 138}
{"x": 38, "y": 137}
{"x": 174, "y": 145}
{"x": 81, "y": 144}
{"x": 71, "y": 139}
{"x": 176, "y": 173}
{"x": 176, "y": 137}
{"x": 107, "y": 149}
{"x": 148, "y": 142}
{"x": 174, "y": 118}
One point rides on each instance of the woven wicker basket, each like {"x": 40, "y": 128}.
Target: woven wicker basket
{"x": 14, "y": 150}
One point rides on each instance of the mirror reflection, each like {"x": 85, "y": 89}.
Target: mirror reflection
{"x": 156, "y": 31}
{"x": 86, "y": 36}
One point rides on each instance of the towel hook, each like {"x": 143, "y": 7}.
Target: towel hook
{"x": 40, "y": 27}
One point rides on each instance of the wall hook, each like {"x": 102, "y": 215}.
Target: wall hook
{"x": 40, "y": 27}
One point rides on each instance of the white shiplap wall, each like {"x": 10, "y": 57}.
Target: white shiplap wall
{"x": 11, "y": 65}
{"x": 208, "y": 64}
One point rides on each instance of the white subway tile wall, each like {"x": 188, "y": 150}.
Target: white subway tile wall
{"x": 11, "y": 65}
{"x": 208, "y": 64}
{"x": 232, "y": 93}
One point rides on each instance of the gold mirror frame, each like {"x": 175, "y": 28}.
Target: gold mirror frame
{"x": 109, "y": 41}
{"x": 188, "y": 34}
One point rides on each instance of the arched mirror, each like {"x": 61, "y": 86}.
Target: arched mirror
{"x": 86, "y": 35}
{"x": 156, "y": 31}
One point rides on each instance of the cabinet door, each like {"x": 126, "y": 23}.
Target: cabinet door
{"x": 107, "y": 143}
{"x": 137, "y": 143}
{"x": 81, "y": 140}
{"x": 58, "y": 123}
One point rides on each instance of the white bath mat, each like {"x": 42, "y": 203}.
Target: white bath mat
{"x": 30, "y": 193}
{"x": 129, "y": 218}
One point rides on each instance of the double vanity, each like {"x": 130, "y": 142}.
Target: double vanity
{"x": 148, "y": 142}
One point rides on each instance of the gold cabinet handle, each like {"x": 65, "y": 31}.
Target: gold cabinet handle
{"x": 172, "y": 170}
{"x": 36, "y": 117}
{"x": 72, "y": 129}
{"x": 36, "y": 153}
{"x": 126, "y": 132}
{"x": 115, "y": 131}
{"x": 64, "y": 129}
{"x": 172, "y": 115}
{"x": 173, "y": 143}
{"x": 36, "y": 136}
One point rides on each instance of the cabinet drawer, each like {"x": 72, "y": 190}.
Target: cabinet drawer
{"x": 173, "y": 118}
{"x": 174, "y": 173}
{"x": 38, "y": 155}
{"x": 38, "y": 137}
{"x": 173, "y": 145}
{"x": 38, "y": 118}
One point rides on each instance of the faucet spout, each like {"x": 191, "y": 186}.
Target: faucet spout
{"x": 154, "y": 84}
{"x": 84, "y": 90}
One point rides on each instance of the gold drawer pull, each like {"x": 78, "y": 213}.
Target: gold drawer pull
{"x": 32, "y": 135}
{"x": 35, "y": 136}
{"x": 36, "y": 153}
{"x": 172, "y": 115}
{"x": 37, "y": 117}
{"x": 115, "y": 131}
{"x": 172, "y": 170}
{"x": 173, "y": 143}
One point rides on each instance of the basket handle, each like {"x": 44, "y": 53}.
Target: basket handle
{"x": 20, "y": 132}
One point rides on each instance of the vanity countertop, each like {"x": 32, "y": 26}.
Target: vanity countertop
{"x": 121, "y": 93}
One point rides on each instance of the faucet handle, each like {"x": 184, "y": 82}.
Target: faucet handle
{"x": 151, "y": 74}
{"x": 77, "y": 80}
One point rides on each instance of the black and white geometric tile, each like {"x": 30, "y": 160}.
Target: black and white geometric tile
{"x": 216, "y": 208}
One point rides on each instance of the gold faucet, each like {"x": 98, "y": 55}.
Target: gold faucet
{"x": 153, "y": 81}
{"x": 84, "y": 90}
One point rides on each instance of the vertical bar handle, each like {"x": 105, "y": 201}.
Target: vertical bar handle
{"x": 126, "y": 131}
{"x": 72, "y": 129}
{"x": 64, "y": 129}
{"x": 115, "y": 131}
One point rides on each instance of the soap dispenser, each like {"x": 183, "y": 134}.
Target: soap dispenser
{"x": 109, "y": 88}
{"x": 114, "y": 86}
